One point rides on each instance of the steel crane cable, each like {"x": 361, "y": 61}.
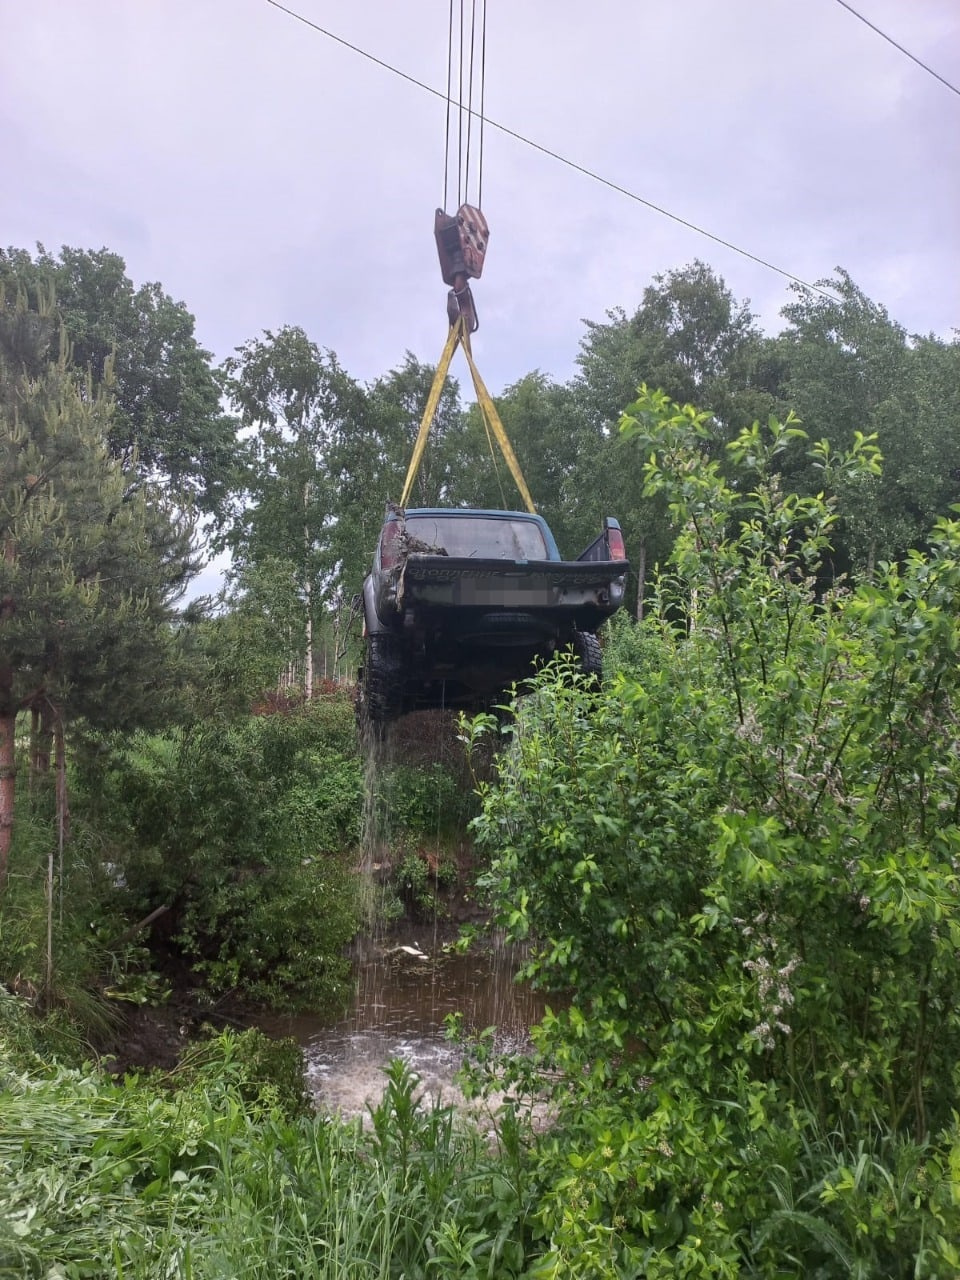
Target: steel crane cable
{"x": 470, "y": 82}
{"x": 466, "y": 171}
{"x": 483, "y": 81}
{"x": 460, "y": 114}
{"x": 446, "y": 140}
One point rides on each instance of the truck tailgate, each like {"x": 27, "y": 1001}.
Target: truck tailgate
{"x": 440, "y": 581}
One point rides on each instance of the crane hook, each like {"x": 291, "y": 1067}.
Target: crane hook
{"x": 461, "y": 246}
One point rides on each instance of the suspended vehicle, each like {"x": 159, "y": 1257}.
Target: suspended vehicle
{"x": 462, "y": 603}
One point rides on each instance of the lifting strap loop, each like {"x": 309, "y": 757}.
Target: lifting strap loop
{"x": 458, "y": 336}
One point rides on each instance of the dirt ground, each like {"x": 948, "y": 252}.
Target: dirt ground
{"x": 152, "y": 1037}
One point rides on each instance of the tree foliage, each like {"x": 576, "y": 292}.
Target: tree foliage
{"x": 742, "y": 864}
{"x": 167, "y": 423}
{"x": 846, "y": 366}
{"x": 690, "y": 337}
{"x": 91, "y": 564}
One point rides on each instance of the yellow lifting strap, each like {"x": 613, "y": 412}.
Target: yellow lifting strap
{"x": 458, "y": 336}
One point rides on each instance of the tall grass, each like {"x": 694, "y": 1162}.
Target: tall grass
{"x": 217, "y": 1173}
{"x": 218, "y": 1179}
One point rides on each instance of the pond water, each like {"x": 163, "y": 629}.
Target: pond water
{"x": 406, "y": 985}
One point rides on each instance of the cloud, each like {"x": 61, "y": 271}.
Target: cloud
{"x": 267, "y": 175}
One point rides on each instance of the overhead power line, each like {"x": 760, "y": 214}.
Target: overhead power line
{"x": 890, "y": 40}
{"x": 564, "y": 160}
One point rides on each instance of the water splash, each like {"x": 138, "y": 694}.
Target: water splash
{"x": 402, "y": 1002}
{"x": 407, "y": 983}
{"x": 377, "y": 748}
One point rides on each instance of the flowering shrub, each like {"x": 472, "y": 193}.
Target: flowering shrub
{"x": 742, "y": 861}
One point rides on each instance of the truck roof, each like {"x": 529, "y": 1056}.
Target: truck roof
{"x": 473, "y": 511}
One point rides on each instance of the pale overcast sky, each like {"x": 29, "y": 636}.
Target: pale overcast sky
{"x": 266, "y": 175}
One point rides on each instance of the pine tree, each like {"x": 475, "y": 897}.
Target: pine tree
{"x": 91, "y": 560}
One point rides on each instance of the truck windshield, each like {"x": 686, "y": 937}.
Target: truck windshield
{"x": 486, "y": 537}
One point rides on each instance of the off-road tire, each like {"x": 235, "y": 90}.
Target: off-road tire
{"x": 589, "y": 656}
{"x": 379, "y": 697}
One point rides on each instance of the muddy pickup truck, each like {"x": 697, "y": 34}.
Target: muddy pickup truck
{"x": 462, "y": 603}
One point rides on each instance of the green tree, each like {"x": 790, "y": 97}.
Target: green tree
{"x": 300, "y": 407}
{"x": 246, "y": 645}
{"x": 692, "y": 338}
{"x": 90, "y": 564}
{"x": 167, "y": 423}
{"x": 846, "y": 366}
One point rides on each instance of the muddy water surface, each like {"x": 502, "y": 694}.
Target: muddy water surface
{"x": 406, "y": 985}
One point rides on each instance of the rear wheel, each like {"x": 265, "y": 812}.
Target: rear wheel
{"x": 379, "y": 687}
{"x": 587, "y": 651}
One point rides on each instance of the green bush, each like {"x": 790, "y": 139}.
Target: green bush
{"x": 631, "y": 648}
{"x": 419, "y": 877}
{"x": 425, "y": 801}
{"x": 744, "y": 867}
{"x": 247, "y": 833}
{"x": 266, "y": 1073}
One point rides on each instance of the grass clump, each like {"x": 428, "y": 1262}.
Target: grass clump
{"x": 227, "y": 1174}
